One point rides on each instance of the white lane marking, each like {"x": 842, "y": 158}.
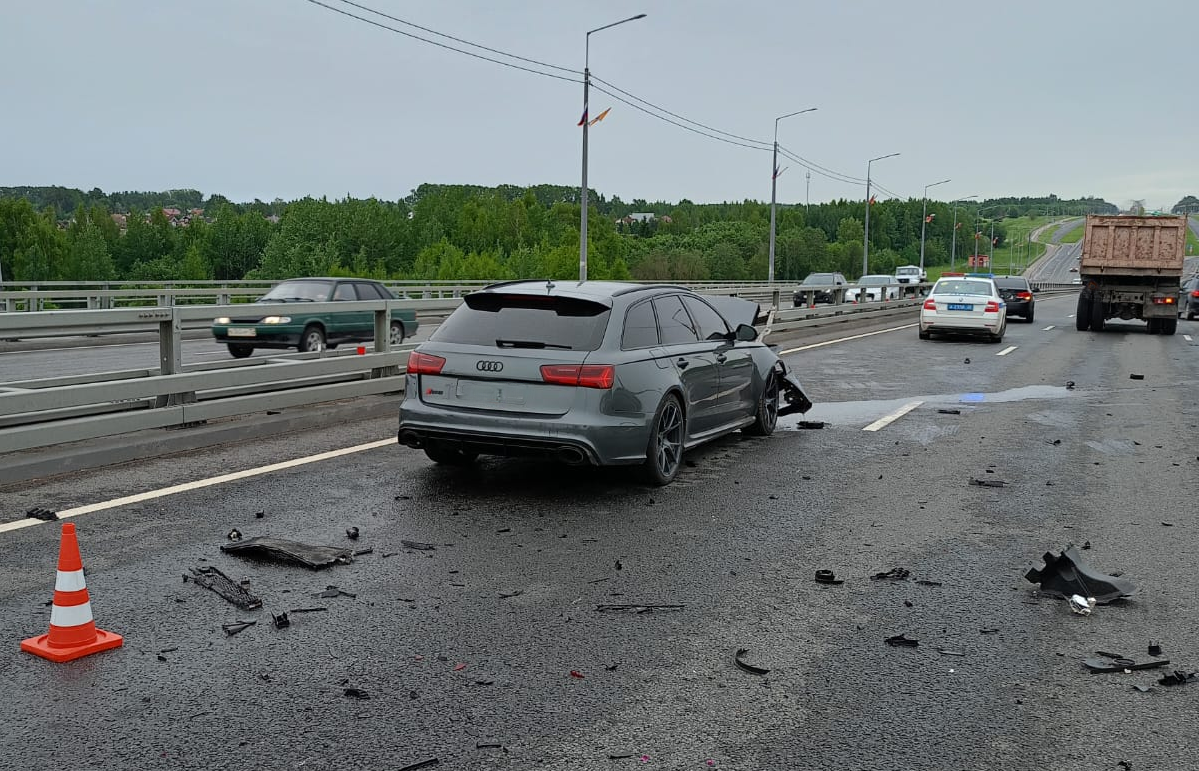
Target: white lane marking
{"x": 1007, "y": 350}
{"x": 1046, "y": 329}
{"x": 845, "y": 339}
{"x": 1187, "y": 338}
{"x": 1070, "y": 316}
{"x": 201, "y": 483}
{"x": 887, "y": 420}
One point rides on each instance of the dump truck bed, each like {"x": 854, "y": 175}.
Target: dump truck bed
{"x": 1133, "y": 246}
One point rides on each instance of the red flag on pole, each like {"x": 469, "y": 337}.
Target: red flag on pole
{"x": 872, "y": 200}
{"x": 929, "y": 218}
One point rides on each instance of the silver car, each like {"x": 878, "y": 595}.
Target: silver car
{"x": 601, "y": 373}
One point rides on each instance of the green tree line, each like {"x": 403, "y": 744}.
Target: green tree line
{"x": 461, "y": 232}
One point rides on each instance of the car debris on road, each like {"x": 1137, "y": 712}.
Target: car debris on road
{"x": 213, "y": 579}
{"x": 312, "y": 556}
{"x": 744, "y": 667}
{"x": 1067, "y": 574}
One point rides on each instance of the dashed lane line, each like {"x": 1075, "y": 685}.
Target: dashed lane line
{"x": 845, "y": 339}
{"x": 1007, "y": 350}
{"x": 887, "y": 420}
{"x": 199, "y": 484}
{"x": 1187, "y": 338}
{"x": 1046, "y": 329}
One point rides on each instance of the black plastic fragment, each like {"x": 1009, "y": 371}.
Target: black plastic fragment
{"x": 281, "y": 620}
{"x": 610, "y": 608}
{"x": 1143, "y": 688}
{"x": 809, "y": 425}
{"x": 1098, "y": 666}
{"x": 212, "y": 578}
{"x": 333, "y": 591}
{"x": 356, "y": 693}
{"x": 417, "y": 545}
{"x": 420, "y": 764}
{"x": 1155, "y": 648}
{"x": 307, "y": 610}
{"x": 794, "y": 398}
{"x": 488, "y": 746}
{"x": 987, "y": 482}
{"x": 235, "y": 628}
{"x": 234, "y": 535}
{"x": 744, "y": 667}
{"x": 511, "y": 593}
{"x": 1178, "y": 677}
{"x": 944, "y": 411}
{"x": 827, "y": 577}
{"x": 901, "y": 641}
{"x": 360, "y": 552}
{"x": 41, "y": 513}
{"x": 1136, "y": 376}
{"x": 926, "y": 582}
{"x": 291, "y": 551}
{"x": 352, "y": 533}
{"x": 1068, "y": 574}
{"x": 948, "y": 652}
{"x": 894, "y": 574}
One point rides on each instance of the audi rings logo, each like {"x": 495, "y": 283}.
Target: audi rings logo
{"x": 490, "y": 366}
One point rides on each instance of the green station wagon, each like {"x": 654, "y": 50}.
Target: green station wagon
{"x": 311, "y": 331}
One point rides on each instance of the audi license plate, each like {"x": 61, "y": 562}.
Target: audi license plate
{"x": 960, "y": 307}
{"x": 482, "y": 393}
{"x": 243, "y": 332}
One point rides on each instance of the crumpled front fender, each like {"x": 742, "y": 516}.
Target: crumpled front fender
{"x": 794, "y": 398}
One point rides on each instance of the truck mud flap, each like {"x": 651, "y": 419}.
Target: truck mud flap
{"x": 795, "y": 399}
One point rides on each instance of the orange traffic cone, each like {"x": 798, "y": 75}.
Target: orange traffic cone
{"x": 73, "y": 633}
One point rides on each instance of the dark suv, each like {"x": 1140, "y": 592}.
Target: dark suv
{"x": 1188, "y": 301}
{"x": 1017, "y": 294}
{"x": 825, "y": 294}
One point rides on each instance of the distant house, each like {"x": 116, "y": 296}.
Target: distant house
{"x": 171, "y": 213}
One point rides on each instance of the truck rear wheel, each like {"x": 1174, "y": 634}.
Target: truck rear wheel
{"x": 1097, "y": 310}
{"x": 1082, "y": 316}
{"x": 1169, "y": 326}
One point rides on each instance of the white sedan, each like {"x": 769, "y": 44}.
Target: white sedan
{"x": 877, "y": 288}
{"x": 964, "y": 304}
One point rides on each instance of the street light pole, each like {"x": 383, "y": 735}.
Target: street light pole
{"x": 774, "y": 177}
{"x": 953, "y": 252}
{"x": 924, "y": 221}
{"x": 585, "y": 124}
{"x": 866, "y": 229}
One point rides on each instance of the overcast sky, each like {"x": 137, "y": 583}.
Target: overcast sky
{"x": 267, "y": 98}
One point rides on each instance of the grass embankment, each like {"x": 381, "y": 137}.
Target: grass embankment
{"x": 1075, "y": 235}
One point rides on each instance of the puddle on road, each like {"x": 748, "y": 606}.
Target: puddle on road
{"x": 861, "y": 413}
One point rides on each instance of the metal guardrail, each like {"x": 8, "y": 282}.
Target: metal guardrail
{"x": 72, "y": 408}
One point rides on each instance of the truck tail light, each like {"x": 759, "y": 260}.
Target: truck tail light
{"x": 424, "y": 364}
{"x": 1159, "y": 300}
{"x": 582, "y": 375}
{"x": 930, "y": 304}
{"x": 992, "y": 307}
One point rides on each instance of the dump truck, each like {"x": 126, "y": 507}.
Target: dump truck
{"x": 1131, "y": 268}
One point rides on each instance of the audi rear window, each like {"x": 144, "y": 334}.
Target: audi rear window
{"x": 1011, "y": 283}
{"x": 525, "y": 321}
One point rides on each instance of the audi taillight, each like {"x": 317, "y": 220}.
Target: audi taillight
{"x": 930, "y": 304}
{"x": 1024, "y": 295}
{"x": 583, "y": 375}
{"x": 1195, "y": 293}
{"x": 424, "y": 364}
{"x": 992, "y": 307}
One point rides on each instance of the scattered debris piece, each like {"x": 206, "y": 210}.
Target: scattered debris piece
{"x": 827, "y": 577}
{"x": 417, "y": 545}
{"x": 1136, "y": 376}
{"x": 894, "y": 574}
{"x": 1069, "y": 385}
{"x": 235, "y": 628}
{"x": 291, "y": 551}
{"x": 637, "y": 608}
{"x": 360, "y": 552}
{"x": 507, "y": 593}
{"x": 1167, "y": 524}
{"x": 281, "y": 620}
{"x": 1105, "y": 654}
{"x": 420, "y": 764}
{"x": 744, "y": 667}
{"x": 459, "y": 667}
{"x": 234, "y": 535}
{"x": 333, "y": 591}
{"x": 1081, "y": 605}
{"x": 611, "y": 667}
{"x": 387, "y": 554}
{"x": 620, "y": 757}
{"x": 901, "y": 641}
{"x": 1067, "y": 574}
{"x": 987, "y": 482}
{"x": 944, "y": 411}
{"x": 259, "y": 514}
{"x": 485, "y": 682}
{"x": 161, "y": 657}
{"x": 907, "y": 604}
{"x": 948, "y": 652}
{"x": 482, "y": 746}
{"x": 1143, "y": 688}
{"x": 1177, "y": 678}
{"x": 967, "y": 361}
{"x": 41, "y": 513}
{"x": 504, "y": 530}
{"x": 317, "y": 609}
{"x": 356, "y": 693}
{"x": 988, "y": 631}
{"x": 1097, "y": 666}
{"x": 618, "y": 566}
{"x": 576, "y": 674}
{"x": 1086, "y": 545}
{"x": 212, "y": 578}
{"x": 1155, "y": 648}
{"x": 810, "y": 424}
{"x": 352, "y": 533}
{"x": 926, "y": 582}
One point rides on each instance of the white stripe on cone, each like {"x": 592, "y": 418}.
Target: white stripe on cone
{"x": 69, "y": 581}
{"x": 71, "y": 615}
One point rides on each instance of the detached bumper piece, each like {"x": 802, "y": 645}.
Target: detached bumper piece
{"x": 1068, "y": 574}
{"x": 795, "y": 399}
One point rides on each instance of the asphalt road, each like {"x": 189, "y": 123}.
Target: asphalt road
{"x": 448, "y": 663}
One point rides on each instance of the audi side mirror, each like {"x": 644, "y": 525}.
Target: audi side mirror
{"x": 745, "y": 333}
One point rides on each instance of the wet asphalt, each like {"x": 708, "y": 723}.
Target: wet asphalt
{"x": 450, "y": 666}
